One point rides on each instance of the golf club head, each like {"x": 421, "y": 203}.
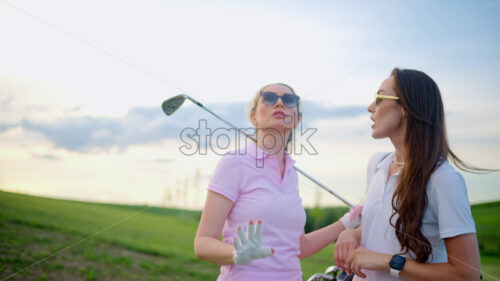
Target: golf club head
{"x": 172, "y": 104}
{"x": 332, "y": 270}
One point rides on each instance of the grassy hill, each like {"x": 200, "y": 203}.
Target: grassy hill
{"x": 72, "y": 240}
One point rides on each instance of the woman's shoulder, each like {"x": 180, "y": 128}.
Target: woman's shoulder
{"x": 446, "y": 176}
{"x": 233, "y": 157}
{"x": 373, "y": 163}
{"x": 380, "y": 154}
{"x": 228, "y": 167}
{"x": 236, "y": 157}
{"x": 230, "y": 161}
{"x": 445, "y": 170}
{"x": 376, "y": 158}
{"x": 448, "y": 198}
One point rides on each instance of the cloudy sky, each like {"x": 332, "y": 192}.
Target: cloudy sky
{"x": 81, "y": 84}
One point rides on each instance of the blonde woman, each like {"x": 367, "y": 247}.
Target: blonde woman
{"x": 259, "y": 186}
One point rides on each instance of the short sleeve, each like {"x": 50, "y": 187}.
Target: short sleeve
{"x": 448, "y": 198}
{"x": 226, "y": 179}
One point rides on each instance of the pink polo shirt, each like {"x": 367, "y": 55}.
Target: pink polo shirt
{"x": 251, "y": 178}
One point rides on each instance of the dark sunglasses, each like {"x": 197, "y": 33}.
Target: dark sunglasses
{"x": 270, "y": 98}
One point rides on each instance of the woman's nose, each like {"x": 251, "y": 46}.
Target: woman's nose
{"x": 371, "y": 108}
{"x": 279, "y": 103}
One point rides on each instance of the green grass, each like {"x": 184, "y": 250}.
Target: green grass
{"x": 147, "y": 243}
{"x": 487, "y": 218}
{"x": 33, "y": 227}
{"x": 144, "y": 231}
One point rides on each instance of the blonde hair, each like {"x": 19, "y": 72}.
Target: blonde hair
{"x": 256, "y": 102}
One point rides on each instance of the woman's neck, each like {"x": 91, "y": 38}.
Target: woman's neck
{"x": 399, "y": 149}
{"x": 273, "y": 141}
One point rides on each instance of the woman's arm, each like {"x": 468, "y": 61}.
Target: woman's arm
{"x": 463, "y": 262}
{"x": 315, "y": 241}
{"x": 207, "y": 244}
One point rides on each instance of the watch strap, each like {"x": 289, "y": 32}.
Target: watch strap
{"x": 397, "y": 264}
{"x": 395, "y": 272}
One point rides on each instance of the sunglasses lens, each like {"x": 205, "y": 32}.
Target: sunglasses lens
{"x": 269, "y": 98}
{"x": 289, "y": 100}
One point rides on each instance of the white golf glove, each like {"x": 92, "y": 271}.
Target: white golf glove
{"x": 352, "y": 218}
{"x": 248, "y": 249}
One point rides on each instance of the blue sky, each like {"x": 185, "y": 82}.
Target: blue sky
{"x": 81, "y": 87}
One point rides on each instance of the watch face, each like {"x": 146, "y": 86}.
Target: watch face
{"x": 397, "y": 262}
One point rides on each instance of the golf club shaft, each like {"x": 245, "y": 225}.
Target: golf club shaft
{"x": 218, "y": 117}
{"x": 329, "y": 190}
{"x": 345, "y": 201}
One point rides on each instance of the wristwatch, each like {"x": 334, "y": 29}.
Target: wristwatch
{"x": 397, "y": 263}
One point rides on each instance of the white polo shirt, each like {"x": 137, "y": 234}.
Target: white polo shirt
{"x": 447, "y": 214}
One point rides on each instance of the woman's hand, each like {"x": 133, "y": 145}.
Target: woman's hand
{"x": 347, "y": 242}
{"x": 362, "y": 258}
{"x": 250, "y": 248}
{"x": 353, "y": 218}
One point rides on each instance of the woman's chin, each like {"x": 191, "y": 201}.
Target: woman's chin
{"x": 377, "y": 135}
{"x": 278, "y": 125}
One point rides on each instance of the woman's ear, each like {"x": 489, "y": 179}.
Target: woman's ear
{"x": 252, "y": 119}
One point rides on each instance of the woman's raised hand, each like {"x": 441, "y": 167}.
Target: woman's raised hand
{"x": 249, "y": 247}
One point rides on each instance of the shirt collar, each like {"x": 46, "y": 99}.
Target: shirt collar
{"x": 289, "y": 162}
{"x": 255, "y": 151}
{"x": 386, "y": 162}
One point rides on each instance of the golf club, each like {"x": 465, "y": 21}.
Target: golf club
{"x": 332, "y": 273}
{"x": 172, "y": 104}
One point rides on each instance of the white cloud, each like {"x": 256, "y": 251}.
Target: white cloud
{"x": 84, "y": 76}
{"x": 218, "y": 53}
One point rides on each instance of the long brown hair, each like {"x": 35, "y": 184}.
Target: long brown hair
{"x": 425, "y": 149}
